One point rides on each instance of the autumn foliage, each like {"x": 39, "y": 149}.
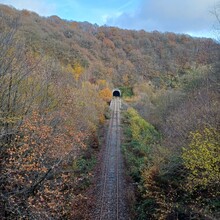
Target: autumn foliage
{"x": 202, "y": 158}
{"x": 55, "y": 79}
{"x": 106, "y": 94}
{"x": 178, "y": 174}
{"x": 37, "y": 179}
{"x": 49, "y": 117}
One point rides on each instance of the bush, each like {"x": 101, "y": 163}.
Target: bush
{"x": 202, "y": 158}
{"x": 126, "y": 91}
{"x": 138, "y": 151}
{"x": 170, "y": 183}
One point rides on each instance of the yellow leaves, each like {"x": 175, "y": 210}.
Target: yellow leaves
{"x": 106, "y": 94}
{"x": 102, "y": 83}
{"x": 149, "y": 174}
{"x": 102, "y": 119}
{"x": 141, "y": 130}
{"x": 76, "y": 70}
{"x": 10, "y": 120}
{"x": 202, "y": 158}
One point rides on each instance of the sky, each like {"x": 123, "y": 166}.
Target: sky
{"x": 194, "y": 17}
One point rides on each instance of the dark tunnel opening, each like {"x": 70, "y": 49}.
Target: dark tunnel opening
{"x": 116, "y": 93}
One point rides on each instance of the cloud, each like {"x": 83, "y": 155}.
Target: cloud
{"x": 180, "y": 16}
{"x": 168, "y": 15}
{"x": 41, "y": 7}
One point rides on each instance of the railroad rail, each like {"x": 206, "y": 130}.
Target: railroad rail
{"x": 111, "y": 202}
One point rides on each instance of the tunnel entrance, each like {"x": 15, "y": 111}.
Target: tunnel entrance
{"x": 116, "y": 93}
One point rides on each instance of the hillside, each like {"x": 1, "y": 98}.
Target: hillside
{"x": 119, "y": 56}
{"x": 56, "y": 80}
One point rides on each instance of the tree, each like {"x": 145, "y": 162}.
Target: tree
{"x": 37, "y": 184}
{"x": 106, "y": 94}
{"x": 202, "y": 158}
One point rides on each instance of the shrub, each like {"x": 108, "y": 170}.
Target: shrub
{"x": 202, "y": 158}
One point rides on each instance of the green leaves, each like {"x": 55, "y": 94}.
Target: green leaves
{"x": 142, "y": 131}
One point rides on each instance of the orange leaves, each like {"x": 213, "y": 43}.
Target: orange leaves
{"x": 38, "y": 151}
{"x": 106, "y": 94}
{"x": 25, "y": 13}
{"x": 108, "y": 43}
{"x": 36, "y": 163}
{"x": 73, "y": 24}
{"x": 101, "y": 119}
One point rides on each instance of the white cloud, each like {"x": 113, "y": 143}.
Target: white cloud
{"x": 39, "y": 6}
{"x": 109, "y": 15}
{"x": 169, "y": 15}
{"x": 181, "y": 16}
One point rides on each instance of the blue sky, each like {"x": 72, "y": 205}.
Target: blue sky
{"x": 180, "y": 16}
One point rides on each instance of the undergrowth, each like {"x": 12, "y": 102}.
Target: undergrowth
{"x": 166, "y": 180}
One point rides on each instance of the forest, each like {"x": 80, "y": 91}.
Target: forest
{"x": 56, "y": 81}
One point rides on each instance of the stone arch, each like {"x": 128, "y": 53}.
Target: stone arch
{"x": 116, "y": 93}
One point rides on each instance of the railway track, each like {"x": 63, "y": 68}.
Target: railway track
{"x": 111, "y": 198}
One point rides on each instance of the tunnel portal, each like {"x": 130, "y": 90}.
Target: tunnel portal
{"x": 116, "y": 93}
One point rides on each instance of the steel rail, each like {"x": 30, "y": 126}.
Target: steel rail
{"x": 107, "y": 158}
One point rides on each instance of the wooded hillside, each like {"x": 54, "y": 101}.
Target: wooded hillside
{"x": 118, "y": 56}
{"x": 56, "y": 79}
